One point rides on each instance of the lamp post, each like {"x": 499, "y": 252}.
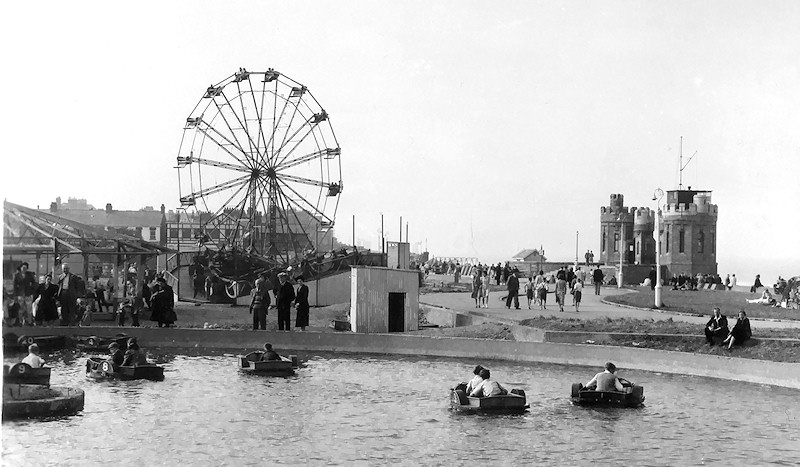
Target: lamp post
{"x": 621, "y": 247}
{"x": 657, "y": 195}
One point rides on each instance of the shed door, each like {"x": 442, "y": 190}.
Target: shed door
{"x": 397, "y": 306}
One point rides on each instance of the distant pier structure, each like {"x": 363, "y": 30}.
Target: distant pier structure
{"x": 688, "y": 235}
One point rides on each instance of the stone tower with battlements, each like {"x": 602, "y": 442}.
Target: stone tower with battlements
{"x": 616, "y": 222}
{"x": 644, "y": 247}
{"x": 688, "y": 233}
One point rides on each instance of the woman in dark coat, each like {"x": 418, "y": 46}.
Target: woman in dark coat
{"x": 46, "y": 310}
{"x": 740, "y": 332}
{"x": 301, "y": 301}
{"x": 162, "y": 303}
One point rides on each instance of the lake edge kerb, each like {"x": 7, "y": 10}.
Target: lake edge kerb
{"x": 713, "y": 366}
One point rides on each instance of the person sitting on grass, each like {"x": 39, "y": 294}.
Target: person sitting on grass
{"x": 717, "y": 326}
{"x": 741, "y": 331}
{"x": 475, "y": 381}
{"x": 487, "y": 387}
{"x": 606, "y": 380}
{"x": 765, "y": 299}
{"x": 33, "y": 359}
{"x": 269, "y": 354}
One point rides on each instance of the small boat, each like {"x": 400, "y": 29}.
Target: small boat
{"x": 44, "y": 342}
{"x": 632, "y": 396}
{"x": 22, "y": 373}
{"x": 25, "y": 401}
{"x": 252, "y": 363}
{"x": 97, "y": 343}
{"x": 513, "y": 402}
{"x": 101, "y": 368}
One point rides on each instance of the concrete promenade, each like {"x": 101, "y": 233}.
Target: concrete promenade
{"x": 239, "y": 341}
{"x": 592, "y": 307}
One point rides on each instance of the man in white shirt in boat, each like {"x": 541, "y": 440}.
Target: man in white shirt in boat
{"x": 33, "y": 359}
{"x": 475, "y": 381}
{"x": 487, "y": 387}
{"x": 606, "y": 380}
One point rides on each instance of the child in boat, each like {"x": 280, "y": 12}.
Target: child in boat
{"x": 487, "y": 387}
{"x": 134, "y": 356}
{"x": 606, "y": 380}
{"x": 33, "y": 359}
{"x": 475, "y": 381}
{"x": 117, "y": 357}
{"x": 269, "y": 354}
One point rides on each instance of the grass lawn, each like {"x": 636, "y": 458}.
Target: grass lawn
{"x": 701, "y": 302}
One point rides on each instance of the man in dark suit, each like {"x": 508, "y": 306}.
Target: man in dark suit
{"x": 283, "y": 301}
{"x": 652, "y": 277}
{"x": 597, "y": 276}
{"x": 717, "y": 326}
{"x": 68, "y": 289}
{"x": 512, "y": 285}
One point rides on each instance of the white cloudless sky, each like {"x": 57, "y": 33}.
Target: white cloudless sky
{"x": 490, "y": 127}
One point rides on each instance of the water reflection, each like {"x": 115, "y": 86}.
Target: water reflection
{"x": 345, "y": 409}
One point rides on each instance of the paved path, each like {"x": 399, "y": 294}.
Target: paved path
{"x": 591, "y": 308}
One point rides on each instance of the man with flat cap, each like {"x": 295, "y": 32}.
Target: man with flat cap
{"x": 24, "y": 287}
{"x": 283, "y": 301}
{"x": 68, "y": 289}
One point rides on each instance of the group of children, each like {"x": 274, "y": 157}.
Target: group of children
{"x": 536, "y": 291}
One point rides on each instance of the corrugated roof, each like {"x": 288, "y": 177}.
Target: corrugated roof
{"x": 526, "y": 253}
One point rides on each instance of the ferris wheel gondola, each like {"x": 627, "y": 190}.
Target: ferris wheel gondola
{"x": 261, "y": 166}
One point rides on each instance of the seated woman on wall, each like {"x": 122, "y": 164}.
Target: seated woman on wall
{"x": 487, "y": 387}
{"x": 765, "y": 299}
{"x": 741, "y": 331}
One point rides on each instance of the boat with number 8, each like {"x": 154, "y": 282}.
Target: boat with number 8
{"x": 101, "y": 368}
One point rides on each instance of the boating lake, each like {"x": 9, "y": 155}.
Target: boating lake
{"x": 345, "y": 409}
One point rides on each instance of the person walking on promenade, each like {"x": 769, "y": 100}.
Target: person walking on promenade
{"x": 301, "y": 303}
{"x": 597, "y": 276}
{"x": 733, "y": 282}
{"x": 561, "y": 293}
{"x": 283, "y": 301}
{"x": 506, "y": 272}
{"x": 498, "y": 273}
{"x": 652, "y": 275}
{"x": 477, "y": 288}
{"x": 512, "y": 285}
{"x": 68, "y": 287}
{"x": 561, "y": 274}
{"x": 541, "y": 289}
{"x": 485, "y": 290}
{"x": 587, "y": 257}
{"x": 457, "y": 273}
{"x": 260, "y": 303}
{"x": 577, "y": 292}
{"x": 756, "y": 284}
{"x": 529, "y": 291}
{"x": 24, "y": 287}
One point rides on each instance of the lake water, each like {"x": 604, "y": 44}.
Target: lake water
{"x": 357, "y": 409}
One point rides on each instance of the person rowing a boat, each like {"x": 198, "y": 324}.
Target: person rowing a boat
{"x": 116, "y": 355}
{"x": 606, "y": 380}
{"x": 487, "y": 387}
{"x": 134, "y": 356}
{"x": 269, "y": 354}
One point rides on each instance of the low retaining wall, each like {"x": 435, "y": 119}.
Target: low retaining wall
{"x": 739, "y": 369}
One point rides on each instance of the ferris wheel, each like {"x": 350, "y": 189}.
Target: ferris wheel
{"x": 260, "y": 165}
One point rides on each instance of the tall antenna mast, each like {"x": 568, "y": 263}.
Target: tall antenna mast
{"x": 681, "y": 165}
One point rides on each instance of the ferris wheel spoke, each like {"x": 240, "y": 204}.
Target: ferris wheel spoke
{"x": 273, "y": 201}
{"x": 306, "y": 206}
{"x": 183, "y": 161}
{"x": 311, "y": 124}
{"x": 276, "y": 120}
{"x": 304, "y": 181}
{"x": 204, "y": 128}
{"x": 221, "y": 113}
{"x": 217, "y": 218}
{"x": 260, "y": 115}
{"x": 328, "y": 153}
{"x": 216, "y": 189}
{"x": 243, "y": 120}
{"x": 285, "y": 209}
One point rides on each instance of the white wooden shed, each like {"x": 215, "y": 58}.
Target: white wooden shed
{"x": 384, "y": 300}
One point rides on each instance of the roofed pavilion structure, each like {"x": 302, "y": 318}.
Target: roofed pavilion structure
{"x": 34, "y": 236}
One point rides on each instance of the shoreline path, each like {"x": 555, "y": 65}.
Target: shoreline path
{"x": 592, "y": 307}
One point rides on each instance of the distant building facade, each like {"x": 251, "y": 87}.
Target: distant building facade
{"x": 147, "y": 223}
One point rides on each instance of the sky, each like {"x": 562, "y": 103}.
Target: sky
{"x": 488, "y": 128}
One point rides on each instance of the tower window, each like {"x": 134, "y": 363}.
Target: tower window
{"x": 667, "y": 239}
{"x": 681, "y": 240}
{"x": 616, "y": 242}
{"x": 605, "y": 238}
{"x": 701, "y": 241}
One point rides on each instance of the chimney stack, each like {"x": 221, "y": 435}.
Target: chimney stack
{"x": 108, "y": 208}
{"x": 162, "y": 209}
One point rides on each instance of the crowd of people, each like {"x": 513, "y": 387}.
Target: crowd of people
{"x": 69, "y": 300}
